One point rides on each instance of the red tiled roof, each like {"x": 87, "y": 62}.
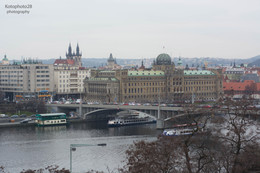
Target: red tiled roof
{"x": 237, "y": 86}
{"x": 64, "y": 61}
{"x": 258, "y": 86}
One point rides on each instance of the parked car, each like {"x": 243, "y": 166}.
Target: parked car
{"x": 67, "y": 102}
{"x": 78, "y": 101}
{"x": 147, "y": 104}
{"x": 23, "y": 116}
{"x": 3, "y": 115}
{"x": 14, "y": 116}
{"x": 25, "y": 120}
{"x": 206, "y": 106}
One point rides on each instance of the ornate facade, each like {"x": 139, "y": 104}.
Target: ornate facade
{"x": 163, "y": 83}
{"x": 74, "y": 56}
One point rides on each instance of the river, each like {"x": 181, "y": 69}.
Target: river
{"x": 38, "y": 147}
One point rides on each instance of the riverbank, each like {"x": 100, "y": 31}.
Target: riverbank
{"x": 18, "y": 124}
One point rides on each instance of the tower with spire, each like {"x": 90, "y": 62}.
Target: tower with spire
{"x": 74, "y": 56}
{"x": 111, "y": 61}
{"x": 5, "y": 61}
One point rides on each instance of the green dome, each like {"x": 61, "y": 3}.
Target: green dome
{"x": 163, "y": 59}
{"x": 5, "y": 59}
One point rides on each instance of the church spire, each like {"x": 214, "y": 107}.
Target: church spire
{"x": 77, "y": 50}
{"x": 69, "y": 50}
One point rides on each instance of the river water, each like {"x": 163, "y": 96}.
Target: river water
{"x": 38, "y": 147}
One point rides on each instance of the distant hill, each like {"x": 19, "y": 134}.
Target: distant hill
{"x": 256, "y": 62}
{"x": 98, "y": 62}
{"x": 197, "y": 61}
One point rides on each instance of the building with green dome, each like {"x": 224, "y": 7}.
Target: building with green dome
{"x": 5, "y": 61}
{"x": 163, "y": 59}
{"x": 162, "y": 82}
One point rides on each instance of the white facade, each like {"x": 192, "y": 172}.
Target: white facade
{"x": 70, "y": 81}
{"x": 26, "y": 79}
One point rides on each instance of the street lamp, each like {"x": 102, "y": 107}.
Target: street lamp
{"x": 74, "y": 146}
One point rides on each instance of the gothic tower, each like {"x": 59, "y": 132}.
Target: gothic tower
{"x": 74, "y": 56}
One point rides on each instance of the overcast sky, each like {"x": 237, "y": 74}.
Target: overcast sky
{"x": 132, "y": 28}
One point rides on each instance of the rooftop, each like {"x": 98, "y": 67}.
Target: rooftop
{"x": 102, "y": 79}
{"x": 146, "y": 73}
{"x": 198, "y": 72}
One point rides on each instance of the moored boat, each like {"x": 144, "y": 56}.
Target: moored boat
{"x": 133, "y": 118}
{"x": 183, "y": 129}
{"x": 51, "y": 119}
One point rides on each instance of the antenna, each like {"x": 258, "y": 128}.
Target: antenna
{"x": 163, "y": 49}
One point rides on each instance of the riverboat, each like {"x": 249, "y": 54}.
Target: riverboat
{"x": 131, "y": 119}
{"x": 182, "y": 129}
{"x": 51, "y": 119}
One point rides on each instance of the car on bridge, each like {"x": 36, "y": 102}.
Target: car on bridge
{"x": 14, "y": 116}
{"x": 25, "y": 120}
{"x": 3, "y": 116}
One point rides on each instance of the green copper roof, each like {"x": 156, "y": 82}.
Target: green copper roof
{"x": 198, "y": 72}
{"x": 163, "y": 59}
{"x": 145, "y": 73}
{"x": 102, "y": 79}
{"x": 179, "y": 62}
{"x": 5, "y": 59}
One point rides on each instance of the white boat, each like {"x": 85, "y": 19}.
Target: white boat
{"x": 182, "y": 129}
{"x": 132, "y": 118}
{"x": 178, "y": 132}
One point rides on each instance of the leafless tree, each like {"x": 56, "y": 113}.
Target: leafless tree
{"x": 237, "y": 133}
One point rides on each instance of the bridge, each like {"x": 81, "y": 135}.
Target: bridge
{"x": 86, "y": 110}
{"x": 165, "y": 117}
{"x": 102, "y": 112}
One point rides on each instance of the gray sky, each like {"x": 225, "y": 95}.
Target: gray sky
{"x": 132, "y": 28}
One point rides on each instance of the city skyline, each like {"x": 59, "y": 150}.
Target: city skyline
{"x": 132, "y": 29}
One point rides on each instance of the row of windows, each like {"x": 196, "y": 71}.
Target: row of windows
{"x": 203, "y": 88}
{"x": 42, "y": 67}
{"x": 71, "y": 85}
{"x": 43, "y": 84}
{"x": 12, "y": 67}
{"x": 8, "y": 76}
{"x": 200, "y": 82}
{"x": 15, "y": 85}
{"x": 146, "y": 78}
{"x": 143, "y": 96}
{"x": 195, "y": 77}
{"x": 43, "y": 80}
{"x": 174, "y": 83}
{"x": 67, "y": 76}
{"x": 10, "y": 80}
{"x": 43, "y": 75}
{"x": 42, "y": 71}
{"x": 67, "y": 81}
{"x": 141, "y": 90}
{"x": 146, "y": 84}
{"x": 12, "y": 89}
{"x": 234, "y": 72}
{"x": 11, "y": 72}
{"x": 68, "y": 72}
{"x": 68, "y": 90}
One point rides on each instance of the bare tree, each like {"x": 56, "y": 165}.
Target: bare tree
{"x": 237, "y": 133}
{"x": 158, "y": 156}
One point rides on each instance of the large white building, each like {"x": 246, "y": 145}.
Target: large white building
{"x": 32, "y": 79}
{"x": 70, "y": 81}
{"x": 27, "y": 79}
{"x": 69, "y": 74}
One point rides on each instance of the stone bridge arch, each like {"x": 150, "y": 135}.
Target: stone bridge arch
{"x": 105, "y": 114}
